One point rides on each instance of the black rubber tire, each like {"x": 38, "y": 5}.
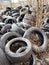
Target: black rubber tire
{"x": 32, "y": 59}
{"x": 3, "y": 59}
{"x": 8, "y": 8}
{"x": 15, "y": 57}
{"x": 45, "y": 26}
{"x": 15, "y": 15}
{"x": 6, "y": 28}
{"x": 4, "y": 17}
{"x": 7, "y": 36}
{"x": 46, "y": 20}
{"x": 10, "y": 20}
{"x": 20, "y": 18}
{"x": 23, "y": 11}
{"x": 45, "y": 42}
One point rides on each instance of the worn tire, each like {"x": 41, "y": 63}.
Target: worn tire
{"x": 6, "y": 28}
{"x": 41, "y": 32}
{"x": 23, "y": 11}
{"x": 3, "y": 59}
{"x": 10, "y": 20}
{"x": 20, "y": 18}
{"x": 6, "y": 36}
{"x": 46, "y": 20}
{"x": 15, "y": 57}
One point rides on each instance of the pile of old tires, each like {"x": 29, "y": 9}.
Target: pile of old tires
{"x": 45, "y": 26}
{"x": 15, "y": 49}
{"x": 15, "y": 31}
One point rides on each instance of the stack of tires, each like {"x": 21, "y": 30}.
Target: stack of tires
{"x": 19, "y": 41}
{"x": 16, "y": 49}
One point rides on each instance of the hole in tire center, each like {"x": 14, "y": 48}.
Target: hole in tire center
{"x": 10, "y": 21}
{"x": 10, "y": 38}
{"x": 16, "y": 45}
{"x": 47, "y": 20}
{"x": 36, "y": 38}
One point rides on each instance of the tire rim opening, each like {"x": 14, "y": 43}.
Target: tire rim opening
{"x": 16, "y": 45}
{"x": 36, "y": 38}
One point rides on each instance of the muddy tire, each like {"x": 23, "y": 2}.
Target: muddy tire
{"x": 44, "y": 39}
{"x": 17, "y": 56}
